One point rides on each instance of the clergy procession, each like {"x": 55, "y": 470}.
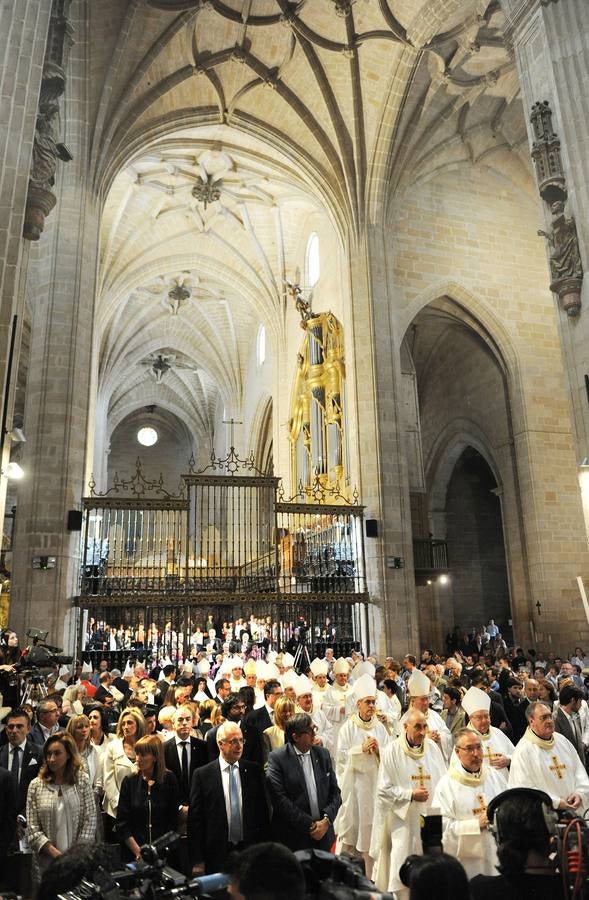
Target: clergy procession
{"x": 384, "y": 763}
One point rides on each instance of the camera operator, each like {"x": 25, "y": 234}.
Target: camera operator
{"x": 435, "y": 875}
{"x": 9, "y": 664}
{"x": 523, "y": 823}
{"x": 266, "y": 872}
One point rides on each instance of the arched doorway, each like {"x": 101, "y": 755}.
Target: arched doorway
{"x": 462, "y": 469}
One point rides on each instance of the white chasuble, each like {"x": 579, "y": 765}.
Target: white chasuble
{"x": 462, "y": 797}
{"x": 551, "y": 766}
{"x": 396, "y": 831}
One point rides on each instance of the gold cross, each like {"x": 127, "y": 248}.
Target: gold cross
{"x": 557, "y": 767}
{"x": 421, "y": 777}
{"x": 489, "y": 754}
{"x": 482, "y": 808}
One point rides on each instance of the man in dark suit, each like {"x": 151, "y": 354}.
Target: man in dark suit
{"x": 228, "y": 804}
{"x": 184, "y": 747}
{"x": 515, "y": 708}
{"x": 7, "y": 817}
{"x": 258, "y": 720}
{"x": 21, "y": 756}
{"x": 303, "y": 788}
{"x": 232, "y": 710}
{"x": 567, "y": 721}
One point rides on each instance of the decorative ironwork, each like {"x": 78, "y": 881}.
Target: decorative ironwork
{"x": 318, "y": 492}
{"x": 138, "y": 487}
{"x": 231, "y": 463}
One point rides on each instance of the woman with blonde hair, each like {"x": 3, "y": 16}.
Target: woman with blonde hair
{"x": 119, "y": 761}
{"x": 60, "y": 803}
{"x": 79, "y": 728}
{"x": 74, "y": 698}
{"x": 273, "y": 737}
{"x": 149, "y": 798}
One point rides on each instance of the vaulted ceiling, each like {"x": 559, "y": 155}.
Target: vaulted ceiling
{"x": 222, "y": 127}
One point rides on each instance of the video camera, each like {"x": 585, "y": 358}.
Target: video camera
{"x": 327, "y": 877}
{"x": 572, "y": 844}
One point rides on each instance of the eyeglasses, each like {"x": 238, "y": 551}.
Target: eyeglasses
{"x": 471, "y": 749}
{"x": 235, "y": 742}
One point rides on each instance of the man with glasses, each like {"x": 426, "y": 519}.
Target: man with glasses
{"x": 410, "y": 769}
{"x": 233, "y": 710}
{"x": 303, "y": 788}
{"x": 228, "y": 807}
{"x": 46, "y": 725}
{"x": 462, "y": 796}
{"x": 547, "y": 761}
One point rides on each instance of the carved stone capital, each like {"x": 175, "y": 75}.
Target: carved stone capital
{"x": 569, "y": 294}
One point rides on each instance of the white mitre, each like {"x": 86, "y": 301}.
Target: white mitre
{"x": 475, "y": 700}
{"x": 340, "y": 666}
{"x": 303, "y": 686}
{"x": 419, "y": 684}
{"x": 365, "y": 686}
{"x": 319, "y": 667}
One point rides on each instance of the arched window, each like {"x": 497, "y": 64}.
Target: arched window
{"x": 261, "y": 345}
{"x": 313, "y": 261}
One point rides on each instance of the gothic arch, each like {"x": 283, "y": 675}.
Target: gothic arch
{"x": 262, "y": 435}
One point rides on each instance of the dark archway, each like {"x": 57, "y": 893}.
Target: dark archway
{"x": 476, "y": 547}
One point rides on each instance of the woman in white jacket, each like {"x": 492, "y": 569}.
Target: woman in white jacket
{"x": 119, "y": 761}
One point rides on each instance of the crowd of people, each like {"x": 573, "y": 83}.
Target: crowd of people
{"x": 350, "y": 756}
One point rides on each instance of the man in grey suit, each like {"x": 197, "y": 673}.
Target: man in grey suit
{"x": 567, "y": 720}
{"x": 304, "y": 789}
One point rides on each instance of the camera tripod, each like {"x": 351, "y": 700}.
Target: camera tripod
{"x": 302, "y": 660}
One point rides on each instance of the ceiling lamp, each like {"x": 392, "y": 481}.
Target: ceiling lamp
{"x": 147, "y": 436}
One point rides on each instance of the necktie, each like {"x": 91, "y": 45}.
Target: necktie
{"x": 184, "y": 778}
{"x": 235, "y": 823}
{"x": 15, "y": 761}
{"x": 307, "y": 765}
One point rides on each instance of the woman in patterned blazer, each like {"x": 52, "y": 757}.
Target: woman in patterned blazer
{"x": 60, "y": 803}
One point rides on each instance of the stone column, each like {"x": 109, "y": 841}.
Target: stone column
{"x": 62, "y": 267}
{"x": 23, "y": 36}
{"x": 550, "y": 40}
{"x": 376, "y": 444}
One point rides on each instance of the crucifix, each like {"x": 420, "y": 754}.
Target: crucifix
{"x": 538, "y": 607}
{"x": 421, "y": 777}
{"x": 232, "y": 423}
{"x": 557, "y": 767}
{"x": 489, "y": 754}
{"x": 483, "y": 806}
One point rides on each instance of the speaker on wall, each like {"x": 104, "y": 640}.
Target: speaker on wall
{"x": 74, "y": 520}
{"x": 371, "y": 528}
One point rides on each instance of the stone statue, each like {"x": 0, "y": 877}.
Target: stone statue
{"x": 44, "y": 161}
{"x": 565, "y": 260}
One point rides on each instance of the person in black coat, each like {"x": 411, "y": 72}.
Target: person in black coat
{"x": 219, "y": 819}
{"x": 149, "y": 800}
{"x": 7, "y": 816}
{"x": 297, "y": 821}
{"x": 196, "y": 752}
{"x": 515, "y": 708}
{"x": 17, "y": 729}
{"x": 233, "y": 710}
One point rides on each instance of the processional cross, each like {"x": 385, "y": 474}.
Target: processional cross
{"x": 421, "y": 777}
{"x": 232, "y": 423}
{"x": 557, "y": 767}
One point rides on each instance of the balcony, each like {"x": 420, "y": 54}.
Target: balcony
{"x": 430, "y": 559}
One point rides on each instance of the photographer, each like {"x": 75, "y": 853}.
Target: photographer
{"x": 523, "y": 824}
{"x": 266, "y": 872}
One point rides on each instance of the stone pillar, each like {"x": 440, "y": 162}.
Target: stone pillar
{"x": 23, "y": 36}
{"x": 62, "y": 268}
{"x": 550, "y": 40}
{"x": 379, "y": 466}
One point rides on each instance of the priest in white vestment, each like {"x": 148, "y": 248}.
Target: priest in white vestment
{"x": 419, "y": 689}
{"x": 463, "y": 795}
{"x": 319, "y": 668}
{"x": 497, "y": 748}
{"x": 361, "y": 740}
{"x": 336, "y": 697}
{"x": 410, "y": 769}
{"x": 306, "y": 704}
{"x": 547, "y": 761}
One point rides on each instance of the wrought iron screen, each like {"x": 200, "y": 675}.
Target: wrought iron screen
{"x": 159, "y": 568}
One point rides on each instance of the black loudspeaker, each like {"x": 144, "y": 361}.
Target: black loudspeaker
{"x": 74, "y": 520}
{"x": 371, "y": 528}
